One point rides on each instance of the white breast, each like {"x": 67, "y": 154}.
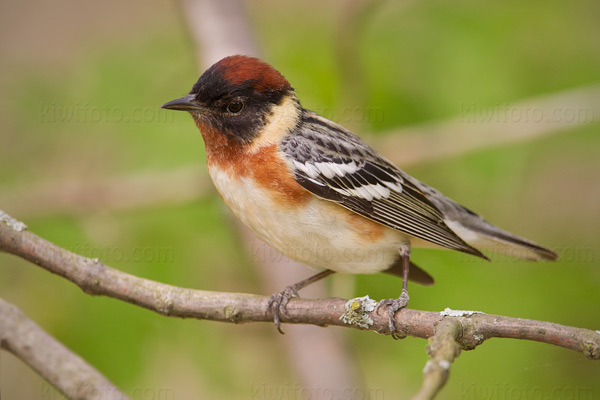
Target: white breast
{"x": 314, "y": 234}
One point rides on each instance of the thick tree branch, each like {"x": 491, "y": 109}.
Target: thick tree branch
{"x": 68, "y": 372}
{"x": 96, "y": 278}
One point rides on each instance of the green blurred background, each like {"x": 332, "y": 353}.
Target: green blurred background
{"x": 419, "y": 62}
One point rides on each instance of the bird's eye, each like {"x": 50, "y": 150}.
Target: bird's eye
{"x": 235, "y": 106}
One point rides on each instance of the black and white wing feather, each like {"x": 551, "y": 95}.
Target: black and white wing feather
{"x": 336, "y": 165}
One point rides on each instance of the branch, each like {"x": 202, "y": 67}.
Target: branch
{"x": 219, "y": 29}
{"x": 478, "y": 128}
{"x": 447, "y": 333}
{"x": 68, "y": 372}
{"x": 443, "y": 348}
{"x": 96, "y": 278}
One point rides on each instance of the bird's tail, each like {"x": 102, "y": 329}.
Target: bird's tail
{"x": 485, "y": 236}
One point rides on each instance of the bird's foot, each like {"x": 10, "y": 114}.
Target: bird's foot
{"x": 277, "y": 305}
{"x": 394, "y": 305}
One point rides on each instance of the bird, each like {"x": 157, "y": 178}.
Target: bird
{"x": 319, "y": 194}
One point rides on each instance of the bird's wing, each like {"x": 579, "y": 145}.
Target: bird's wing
{"x": 334, "y": 164}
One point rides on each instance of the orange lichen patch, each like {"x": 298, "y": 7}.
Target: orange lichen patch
{"x": 264, "y": 166}
{"x": 237, "y": 69}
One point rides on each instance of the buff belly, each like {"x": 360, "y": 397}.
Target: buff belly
{"x": 318, "y": 233}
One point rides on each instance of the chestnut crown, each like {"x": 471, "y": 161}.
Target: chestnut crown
{"x": 235, "y": 96}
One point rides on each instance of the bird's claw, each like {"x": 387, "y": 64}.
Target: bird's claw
{"x": 394, "y": 305}
{"x": 277, "y": 304}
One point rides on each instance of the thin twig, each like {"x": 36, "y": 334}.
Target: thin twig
{"x": 66, "y": 371}
{"x": 96, "y": 278}
{"x": 443, "y": 348}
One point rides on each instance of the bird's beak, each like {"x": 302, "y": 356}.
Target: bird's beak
{"x": 185, "y": 103}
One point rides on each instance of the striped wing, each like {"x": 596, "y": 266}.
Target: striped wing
{"x": 336, "y": 165}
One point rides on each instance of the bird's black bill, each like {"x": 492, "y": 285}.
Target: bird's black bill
{"x": 185, "y": 103}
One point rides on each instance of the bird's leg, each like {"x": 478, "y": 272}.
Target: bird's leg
{"x": 278, "y": 301}
{"x": 402, "y": 301}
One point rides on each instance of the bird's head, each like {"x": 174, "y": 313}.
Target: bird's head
{"x": 238, "y": 97}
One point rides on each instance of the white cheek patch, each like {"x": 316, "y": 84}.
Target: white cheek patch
{"x": 283, "y": 118}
